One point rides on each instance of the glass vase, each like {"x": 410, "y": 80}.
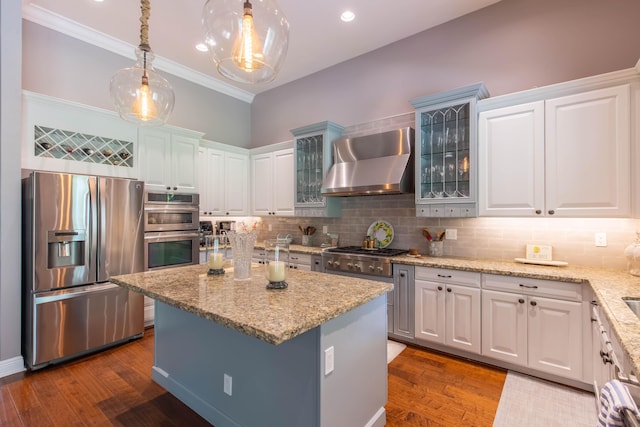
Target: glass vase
{"x": 242, "y": 251}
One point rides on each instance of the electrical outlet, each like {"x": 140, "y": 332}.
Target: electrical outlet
{"x": 325, "y": 229}
{"x": 328, "y": 360}
{"x": 601, "y": 239}
{"x": 270, "y": 227}
{"x": 227, "y": 384}
{"x": 451, "y": 234}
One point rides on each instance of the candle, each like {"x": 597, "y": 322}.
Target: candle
{"x": 216, "y": 261}
{"x": 276, "y": 271}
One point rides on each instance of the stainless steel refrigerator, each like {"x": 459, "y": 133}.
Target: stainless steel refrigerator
{"x": 77, "y": 232}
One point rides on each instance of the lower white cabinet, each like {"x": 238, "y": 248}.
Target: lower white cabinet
{"x": 534, "y": 323}
{"x": 447, "y": 308}
{"x": 299, "y": 261}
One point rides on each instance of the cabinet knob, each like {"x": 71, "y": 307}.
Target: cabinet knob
{"x": 226, "y": 213}
{"x": 175, "y": 188}
{"x": 521, "y": 300}
{"x": 533, "y": 303}
{"x": 439, "y": 288}
{"x": 448, "y": 289}
{"x": 551, "y": 212}
{"x": 168, "y": 188}
{"x": 401, "y": 274}
{"x": 538, "y": 211}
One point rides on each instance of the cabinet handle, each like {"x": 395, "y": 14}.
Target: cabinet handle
{"x": 538, "y": 211}
{"x": 448, "y": 289}
{"x": 439, "y": 288}
{"x": 533, "y": 303}
{"x": 446, "y": 276}
{"x": 521, "y": 300}
{"x": 528, "y": 286}
{"x": 551, "y": 212}
{"x": 401, "y": 274}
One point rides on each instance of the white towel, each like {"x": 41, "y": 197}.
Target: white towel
{"x": 614, "y": 399}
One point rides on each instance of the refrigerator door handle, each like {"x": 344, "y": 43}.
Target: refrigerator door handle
{"x": 46, "y": 297}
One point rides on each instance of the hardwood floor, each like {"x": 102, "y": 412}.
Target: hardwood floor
{"x": 114, "y": 388}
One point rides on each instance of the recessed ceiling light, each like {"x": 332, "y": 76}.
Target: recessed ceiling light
{"x": 347, "y": 16}
{"x": 202, "y": 47}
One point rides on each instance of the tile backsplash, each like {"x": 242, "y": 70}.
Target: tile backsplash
{"x": 486, "y": 238}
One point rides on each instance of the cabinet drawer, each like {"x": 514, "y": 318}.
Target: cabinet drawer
{"x": 297, "y": 258}
{"x": 535, "y": 287}
{"x": 467, "y": 278}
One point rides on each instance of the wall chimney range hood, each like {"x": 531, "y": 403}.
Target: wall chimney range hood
{"x": 381, "y": 163}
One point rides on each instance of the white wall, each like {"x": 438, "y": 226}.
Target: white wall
{"x": 10, "y": 280}
{"x": 512, "y": 45}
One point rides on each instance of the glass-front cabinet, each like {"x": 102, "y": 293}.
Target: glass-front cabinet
{"x": 446, "y": 152}
{"x": 313, "y": 156}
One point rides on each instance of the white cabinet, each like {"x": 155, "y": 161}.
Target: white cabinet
{"x": 223, "y": 181}
{"x": 566, "y": 156}
{"x": 298, "y": 261}
{"x": 272, "y": 183}
{"x": 313, "y": 156}
{"x": 534, "y": 323}
{"x": 169, "y": 159}
{"x": 446, "y": 144}
{"x": 447, "y": 308}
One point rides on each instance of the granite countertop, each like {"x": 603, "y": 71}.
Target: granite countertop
{"x": 609, "y": 287}
{"x": 274, "y": 316}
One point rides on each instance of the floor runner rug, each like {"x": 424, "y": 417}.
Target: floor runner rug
{"x": 394, "y": 349}
{"x": 528, "y": 401}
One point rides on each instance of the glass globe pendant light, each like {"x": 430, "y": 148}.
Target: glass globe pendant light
{"x": 248, "y": 43}
{"x": 140, "y": 94}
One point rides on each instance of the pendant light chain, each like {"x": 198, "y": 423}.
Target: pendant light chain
{"x": 145, "y": 9}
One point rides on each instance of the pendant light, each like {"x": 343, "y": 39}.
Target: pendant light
{"x": 248, "y": 40}
{"x": 140, "y": 94}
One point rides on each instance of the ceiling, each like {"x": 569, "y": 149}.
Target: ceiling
{"x": 317, "y": 38}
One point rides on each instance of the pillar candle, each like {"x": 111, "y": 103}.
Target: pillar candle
{"x": 216, "y": 261}
{"x": 276, "y": 271}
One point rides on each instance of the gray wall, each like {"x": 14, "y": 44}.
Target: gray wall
{"x": 10, "y": 112}
{"x": 511, "y": 46}
{"x": 61, "y": 66}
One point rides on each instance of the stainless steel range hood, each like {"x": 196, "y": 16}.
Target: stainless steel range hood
{"x": 381, "y": 163}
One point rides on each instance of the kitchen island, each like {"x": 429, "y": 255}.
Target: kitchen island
{"x": 313, "y": 354}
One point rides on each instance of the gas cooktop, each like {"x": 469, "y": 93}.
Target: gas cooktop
{"x": 358, "y": 250}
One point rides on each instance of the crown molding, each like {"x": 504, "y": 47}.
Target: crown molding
{"x": 59, "y": 23}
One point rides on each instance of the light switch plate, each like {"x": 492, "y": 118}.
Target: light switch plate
{"x": 540, "y": 252}
{"x": 328, "y": 360}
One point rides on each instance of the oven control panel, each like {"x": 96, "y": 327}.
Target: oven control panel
{"x": 378, "y": 266}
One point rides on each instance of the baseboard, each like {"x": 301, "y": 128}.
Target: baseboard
{"x": 11, "y": 366}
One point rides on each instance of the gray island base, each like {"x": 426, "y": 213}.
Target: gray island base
{"x": 241, "y": 355}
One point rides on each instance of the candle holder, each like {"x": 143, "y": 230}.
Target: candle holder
{"x": 216, "y": 247}
{"x": 276, "y": 263}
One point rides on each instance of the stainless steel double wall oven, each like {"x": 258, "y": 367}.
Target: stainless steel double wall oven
{"x": 171, "y": 223}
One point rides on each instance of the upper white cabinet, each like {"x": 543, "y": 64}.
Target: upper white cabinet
{"x": 64, "y": 136}
{"x": 169, "y": 159}
{"x": 223, "y": 180}
{"x": 564, "y": 156}
{"x": 272, "y": 183}
{"x": 446, "y": 145}
{"x": 313, "y": 156}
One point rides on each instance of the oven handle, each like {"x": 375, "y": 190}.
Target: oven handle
{"x": 171, "y": 235}
{"x": 172, "y": 208}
